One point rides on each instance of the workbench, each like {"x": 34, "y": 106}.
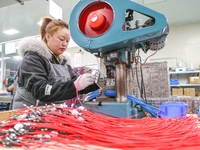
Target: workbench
{"x": 6, "y": 98}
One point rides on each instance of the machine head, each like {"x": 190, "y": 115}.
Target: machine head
{"x": 109, "y": 25}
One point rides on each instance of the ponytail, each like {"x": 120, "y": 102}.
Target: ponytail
{"x": 45, "y": 22}
{"x": 50, "y": 26}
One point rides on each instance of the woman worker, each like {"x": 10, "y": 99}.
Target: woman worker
{"x": 44, "y": 73}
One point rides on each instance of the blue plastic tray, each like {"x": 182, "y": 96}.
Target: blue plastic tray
{"x": 172, "y": 110}
{"x": 173, "y": 82}
{"x": 5, "y": 95}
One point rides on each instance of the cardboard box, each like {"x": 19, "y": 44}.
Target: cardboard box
{"x": 7, "y": 114}
{"x": 194, "y": 79}
{"x": 189, "y": 92}
{"x": 177, "y": 91}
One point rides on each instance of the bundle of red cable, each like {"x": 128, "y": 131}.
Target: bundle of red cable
{"x": 61, "y": 127}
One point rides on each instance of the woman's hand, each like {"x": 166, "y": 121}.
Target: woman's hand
{"x": 84, "y": 81}
{"x": 10, "y": 88}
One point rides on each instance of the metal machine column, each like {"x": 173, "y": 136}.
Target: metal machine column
{"x": 129, "y": 82}
{"x": 120, "y": 83}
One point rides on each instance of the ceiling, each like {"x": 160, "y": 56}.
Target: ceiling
{"x": 25, "y": 17}
{"x": 5, "y": 3}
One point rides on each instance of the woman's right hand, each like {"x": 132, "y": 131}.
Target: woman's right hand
{"x": 84, "y": 81}
{"x": 10, "y": 88}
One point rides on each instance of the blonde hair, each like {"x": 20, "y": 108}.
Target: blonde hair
{"x": 51, "y": 26}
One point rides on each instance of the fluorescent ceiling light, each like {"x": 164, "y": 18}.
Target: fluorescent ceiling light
{"x": 40, "y": 23}
{"x": 17, "y": 57}
{"x": 5, "y": 58}
{"x": 11, "y": 31}
{"x": 55, "y": 10}
{"x": 10, "y": 48}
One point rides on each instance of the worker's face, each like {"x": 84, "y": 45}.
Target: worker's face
{"x": 59, "y": 41}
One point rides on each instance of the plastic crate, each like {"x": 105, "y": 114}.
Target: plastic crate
{"x": 173, "y": 82}
{"x": 172, "y": 110}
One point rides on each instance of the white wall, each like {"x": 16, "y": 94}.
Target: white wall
{"x": 183, "y": 43}
{"x": 86, "y": 57}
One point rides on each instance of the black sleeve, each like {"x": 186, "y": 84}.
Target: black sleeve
{"x": 90, "y": 88}
{"x": 59, "y": 91}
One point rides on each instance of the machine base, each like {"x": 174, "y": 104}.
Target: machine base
{"x": 119, "y": 109}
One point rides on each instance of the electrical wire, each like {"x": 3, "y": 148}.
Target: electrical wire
{"x": 62, "y": 127}
{"x": 124, "y": 66}
{"x": 141, "y": 85}
{"x": 106, "y": 78}
{"x": 150, "y": 109}
{"x": 150, "y": 56}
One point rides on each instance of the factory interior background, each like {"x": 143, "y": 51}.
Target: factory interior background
{"x": 181, "y": 50}
{"x": 159, "y": 107}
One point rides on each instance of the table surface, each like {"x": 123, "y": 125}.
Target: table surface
{"x": 6, "y": 98}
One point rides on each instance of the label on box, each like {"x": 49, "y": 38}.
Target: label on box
{"x": 193, "y": 78}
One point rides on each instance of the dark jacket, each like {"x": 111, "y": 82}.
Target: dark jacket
{"x": 41, "y": 76}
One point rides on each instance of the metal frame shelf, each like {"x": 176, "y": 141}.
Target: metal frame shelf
{"x": 182, "y": 73}
{"x": 185, "y": 72}
{"x": 178, "y": 85}
{"x": 182, "y": 77}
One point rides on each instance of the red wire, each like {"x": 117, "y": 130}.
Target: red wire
{"x": 121, "y": 133}
{"x": 125, "y": 66}
{"x": 67, "y": 131}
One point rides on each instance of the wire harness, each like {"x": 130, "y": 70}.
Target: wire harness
{"x": 60, "y": 127}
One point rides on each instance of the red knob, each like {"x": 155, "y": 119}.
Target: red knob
{"x": 96, "y": 20}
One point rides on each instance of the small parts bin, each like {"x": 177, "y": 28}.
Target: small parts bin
{"x": 172, "y": 110}
{"x": 173, "y": 82}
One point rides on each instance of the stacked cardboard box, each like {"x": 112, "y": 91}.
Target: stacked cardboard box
{"x": 177, "y": 91}
{"x": 183, "y": 91}
{"x": 189, "y": 92}
{"x": 194, "y": 79}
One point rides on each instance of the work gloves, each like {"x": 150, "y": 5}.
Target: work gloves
{"x": 84, "y": 81}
